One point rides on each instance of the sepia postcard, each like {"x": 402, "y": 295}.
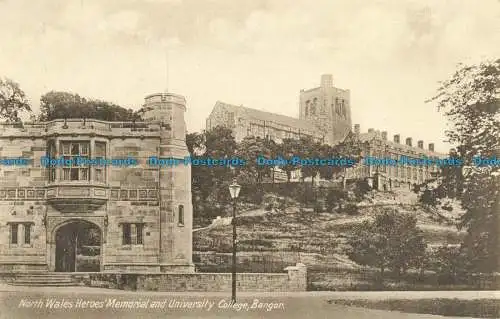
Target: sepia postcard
{"x": 249, "y": 159}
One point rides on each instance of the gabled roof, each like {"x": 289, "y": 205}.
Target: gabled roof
{"x": 259, "y": 115}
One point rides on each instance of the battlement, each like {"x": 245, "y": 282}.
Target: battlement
{"x": 397, "y": 140}
{"x": 77, "y": 126}
{"x": 158, "y": 98}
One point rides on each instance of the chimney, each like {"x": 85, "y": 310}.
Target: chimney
{"x": 396, "y": 138}
{"x": 384, "y": 135}
{"x": 408, "y": 141}
{"x": 420, "y": 144}
{"x": 370, "y": 130}
{"x": 431, "y": 147}
{"x": 326, "y": 81}
{"x": 357, "y": 129}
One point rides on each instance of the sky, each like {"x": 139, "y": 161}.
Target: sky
{"x": 391, "y": 54}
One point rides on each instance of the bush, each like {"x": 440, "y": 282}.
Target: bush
{"x": 350, "y": 209}
{"x": 447, "y": 208}
{"x": 318, "y": 207}
{"x": 334, "y": 198}
{"x": 450, "y": 263}
{"x": 361, "y": 188}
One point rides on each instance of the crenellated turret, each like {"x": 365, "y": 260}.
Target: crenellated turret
{"x": 176, "y": 210}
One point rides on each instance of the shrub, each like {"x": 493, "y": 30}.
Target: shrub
{"x": 350, "y": 209}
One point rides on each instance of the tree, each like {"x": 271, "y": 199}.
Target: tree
{"x": 452, "y": 181}
{"x": 391, "y": 241}
{"x": 471, "y": 102}
{"x": 250, "y": 149}
{"x": 351, "y": 148}
{"x": 287, "y": 149}
{"x": 361, "y": 188}
{"x": 13, "y": 100}
{"x": 195, "y": 143}
{"x": 209, "y": 184}
{"x": 309, "y": 149}
{"x": 450, "y": 263}
{"x": 59, "y": 105}
{"x": 428, "y": 197}
{"x": 335, "y": 197}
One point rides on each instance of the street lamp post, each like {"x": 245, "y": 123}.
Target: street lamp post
{"x": 234, "y": 190}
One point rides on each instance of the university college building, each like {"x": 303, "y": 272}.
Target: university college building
{"x": 97, "y": 218}
{"x": 325, "y": 116}
{"x": 386, "y": 177}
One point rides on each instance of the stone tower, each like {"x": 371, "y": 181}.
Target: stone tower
{"x": 176, "y": 211}
{"x": 328, "y": 108}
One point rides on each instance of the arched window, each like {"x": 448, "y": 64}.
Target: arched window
{"x": 181, "y": 215}
{"x": 313, "y": 106}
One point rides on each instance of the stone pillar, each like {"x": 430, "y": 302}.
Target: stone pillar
{"x": 297, "y": 277}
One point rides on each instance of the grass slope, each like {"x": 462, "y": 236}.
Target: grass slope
{"x": 324, "y": 234}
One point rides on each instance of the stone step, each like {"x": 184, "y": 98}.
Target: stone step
{"x": 42, "y": 276}
{"x": 44, "y": 284}
{"x": 42, "y": 280}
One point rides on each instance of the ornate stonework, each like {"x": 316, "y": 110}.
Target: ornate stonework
{"x": 123, "y": 203}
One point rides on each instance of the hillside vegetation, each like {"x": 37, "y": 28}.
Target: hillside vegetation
{"x": 282, "y": 224}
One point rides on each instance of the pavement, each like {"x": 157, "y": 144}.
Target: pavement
{"x": 84, "y": 302}
{"x": 371, "y": 295}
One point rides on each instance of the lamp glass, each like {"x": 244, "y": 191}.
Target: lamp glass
{"x": 234, "y": 189}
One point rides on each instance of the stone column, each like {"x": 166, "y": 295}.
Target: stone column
{"x": 297, "y": 277}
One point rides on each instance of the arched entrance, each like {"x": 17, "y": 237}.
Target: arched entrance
{"x": 78, "y": 247}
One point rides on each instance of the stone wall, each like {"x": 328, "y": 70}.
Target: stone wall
{"x": 22, "y": 202}
{"x": 487, "y": 281}
{"x": 294, "y": 280}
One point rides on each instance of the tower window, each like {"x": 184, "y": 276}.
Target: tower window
{"x": 139, "y": 231}
{"x": 127, "y": 234}
{"x": 181, "y": 215}
{"x": 27, "y": 233}
{"x": 100, "y": 153}
{"x": 51, "y": 152}
{"x": 14, "y": 232}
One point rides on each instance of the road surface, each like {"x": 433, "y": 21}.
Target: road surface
{"x": 92, "y": 303}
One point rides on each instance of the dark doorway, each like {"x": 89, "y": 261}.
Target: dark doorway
{"x": 78, "y": 247}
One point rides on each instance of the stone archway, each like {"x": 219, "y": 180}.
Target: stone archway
{"x": 78, "y": 247}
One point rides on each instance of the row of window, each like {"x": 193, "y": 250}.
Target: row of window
{"x": 132, "y": 233}
{"x": 339, "y": 107}
{"x": 72, "y": 149}
{"x": 274, "y": 134}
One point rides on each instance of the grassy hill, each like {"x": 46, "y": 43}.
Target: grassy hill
{"x": 302, "y": 229}
{"x": 321, "y": 237}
